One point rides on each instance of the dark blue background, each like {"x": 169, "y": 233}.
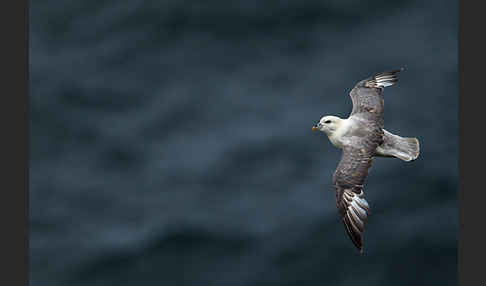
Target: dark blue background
{"x": 171, "y": 142}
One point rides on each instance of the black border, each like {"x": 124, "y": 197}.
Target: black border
{"x": 471, "y": 146}
{"x": 14, "y": 126}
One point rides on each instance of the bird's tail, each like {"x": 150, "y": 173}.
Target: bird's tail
{"x": 406, "y": 149}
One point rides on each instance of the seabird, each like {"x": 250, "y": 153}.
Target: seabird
{"x": 361, "y": 137}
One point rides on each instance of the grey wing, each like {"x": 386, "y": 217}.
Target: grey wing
{"x": 367, "y": 96}
{"x": 348, "y": 183}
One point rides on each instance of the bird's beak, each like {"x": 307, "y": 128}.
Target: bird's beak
{"x": 314, "y": 128}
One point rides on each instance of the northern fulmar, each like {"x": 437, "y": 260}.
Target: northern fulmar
{"x": 361, "y": 137}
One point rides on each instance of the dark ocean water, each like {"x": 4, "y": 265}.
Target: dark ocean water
{"x": 171, "y": 142}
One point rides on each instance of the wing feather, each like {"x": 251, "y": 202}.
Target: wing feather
{"x": 367, "y": 96}
{"x": 348, "y": 182}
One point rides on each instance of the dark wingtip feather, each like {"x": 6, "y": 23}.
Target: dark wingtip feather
{"x": 381, "y": 80}
{"x": 355, "y": 237}
{"x": 384, "y": 79}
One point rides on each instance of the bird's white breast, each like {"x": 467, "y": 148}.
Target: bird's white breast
{"x": 337, "y": 136}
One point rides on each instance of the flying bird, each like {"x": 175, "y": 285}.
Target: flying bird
{"x": 361, "y": 137}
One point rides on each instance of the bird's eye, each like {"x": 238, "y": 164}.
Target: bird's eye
{"x": 327, "y": 121}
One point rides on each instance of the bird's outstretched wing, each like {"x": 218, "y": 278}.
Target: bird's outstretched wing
{"x": 348, "y": 182}
{"x": 367, "y": 99}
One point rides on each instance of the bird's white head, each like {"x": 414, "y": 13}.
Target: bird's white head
{"x": 328, "y": 124}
